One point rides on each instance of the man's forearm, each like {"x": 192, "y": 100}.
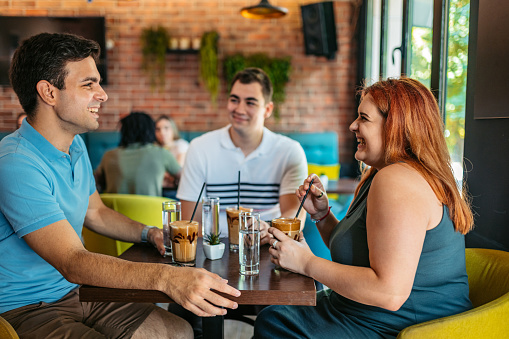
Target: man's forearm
{"x": 113, "y": 224}
{"x": 102, "y": 270}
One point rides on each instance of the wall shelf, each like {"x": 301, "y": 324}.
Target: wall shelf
{"x": 182, "y": 51}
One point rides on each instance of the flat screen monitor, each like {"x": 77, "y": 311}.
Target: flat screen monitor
{"x": 15, "y": 29}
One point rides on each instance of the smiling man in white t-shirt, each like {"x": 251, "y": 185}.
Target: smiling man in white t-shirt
{"x": 272, "y": 166}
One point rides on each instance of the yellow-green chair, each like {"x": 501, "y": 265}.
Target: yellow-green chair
{"x": 6, "y": 330}
{"x": 142, "y": 208}
{"x": 488, "y": 277}
{"x": 331, "y": 171}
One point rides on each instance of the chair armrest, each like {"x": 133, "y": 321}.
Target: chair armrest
{"x": 6, "y": 330}
{"x": 486, "y": 321}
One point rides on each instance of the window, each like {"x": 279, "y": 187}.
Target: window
{"x": 400, "y": 40}
{"x": 456, "y": 82}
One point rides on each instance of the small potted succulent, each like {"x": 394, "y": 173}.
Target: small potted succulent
{"x": 212, "y": 246}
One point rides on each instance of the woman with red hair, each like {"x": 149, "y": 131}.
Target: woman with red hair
{"x": 398, "y": 256}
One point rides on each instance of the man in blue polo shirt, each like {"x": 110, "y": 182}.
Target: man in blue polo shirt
{"x": 47, "y": 194}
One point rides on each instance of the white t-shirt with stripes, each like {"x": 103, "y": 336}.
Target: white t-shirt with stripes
{"x": 277, "y": 167}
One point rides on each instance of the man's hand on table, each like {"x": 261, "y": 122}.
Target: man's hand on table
{"x": 192, "y": 289}
{"x": 156, "y": 238}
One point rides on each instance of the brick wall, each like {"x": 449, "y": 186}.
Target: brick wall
{"x": 320, "y": 94}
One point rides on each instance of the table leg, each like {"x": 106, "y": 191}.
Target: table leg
{"x": 213, "y": 327}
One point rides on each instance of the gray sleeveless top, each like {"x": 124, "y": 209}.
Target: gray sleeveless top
{"x": 441, "y": 284}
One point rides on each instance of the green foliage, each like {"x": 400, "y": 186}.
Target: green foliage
{"x": 422, "y": 40}
{"x": 213, "y": 238}
{"x": 154, "y": 42}
{"x": 278, "y": 70}
{"x": 457, "y": 61}
{"x": 209, "y": 63}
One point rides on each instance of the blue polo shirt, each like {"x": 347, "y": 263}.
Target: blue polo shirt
{"x": 39, "y": 185}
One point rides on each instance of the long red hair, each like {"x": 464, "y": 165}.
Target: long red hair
{"x": 414, "y": 134}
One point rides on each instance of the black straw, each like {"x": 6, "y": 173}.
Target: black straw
{"x": 304, "y": 199}
{"x": 199, "y": 197}
{"x": 238, "y": 193}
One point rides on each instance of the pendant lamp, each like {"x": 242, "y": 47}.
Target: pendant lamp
{"x": 264, "y": 10}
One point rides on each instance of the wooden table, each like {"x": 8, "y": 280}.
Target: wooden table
{"x": 270, "y": 287}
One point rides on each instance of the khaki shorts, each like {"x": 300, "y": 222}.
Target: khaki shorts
{"x": 70, "y": 318}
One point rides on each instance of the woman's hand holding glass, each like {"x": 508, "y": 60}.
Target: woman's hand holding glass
{"x": 288, "y": 253}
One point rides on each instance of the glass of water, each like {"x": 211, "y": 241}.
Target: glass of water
{"x": 210, "y": 217}
{"x": 249, "y": 243}
{"x": 171, "y": 213}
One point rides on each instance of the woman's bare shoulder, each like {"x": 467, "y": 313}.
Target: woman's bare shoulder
{"x": 401, "y": 179}
{"x": 399, "y": 187}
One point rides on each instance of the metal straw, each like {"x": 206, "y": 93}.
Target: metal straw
{"x": 199, "y": 197}
{"x": 238, "y": 193}
{"x": 304, "y": 199}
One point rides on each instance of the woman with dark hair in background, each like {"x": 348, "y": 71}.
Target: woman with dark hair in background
{"x": 137, "y": 166}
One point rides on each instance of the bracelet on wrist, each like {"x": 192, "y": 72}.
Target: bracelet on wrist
{"x": 325, "y": 216}
{"x": 144, "y": 233}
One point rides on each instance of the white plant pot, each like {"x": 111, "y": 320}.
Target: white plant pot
{"x": 213, "y": 252}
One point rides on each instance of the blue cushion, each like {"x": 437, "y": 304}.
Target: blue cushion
{"x": 98, "y": 143}
{"x": 190, "y": 135}
{"x": 4, "y": 134}
{"x": 321, "y": 148}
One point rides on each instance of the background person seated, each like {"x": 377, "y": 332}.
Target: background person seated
{"x": 137, "y": 166}
{"x": 168, "y": 136}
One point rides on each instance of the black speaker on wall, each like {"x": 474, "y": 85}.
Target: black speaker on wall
{"x": 319, "y": 29}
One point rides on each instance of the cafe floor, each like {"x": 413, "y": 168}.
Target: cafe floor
{"x": 232, "y": 329}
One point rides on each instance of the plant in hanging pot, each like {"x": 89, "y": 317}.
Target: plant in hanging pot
{"x": 278, "y": 70}
{"x": 213, "y": 247}
{"x": 154, "y": 43}
{"x": 209, "y": 64}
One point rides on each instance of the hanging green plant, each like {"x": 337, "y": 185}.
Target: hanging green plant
{"x": 209, "y": 64}
{"x": 154, "y": 42}
{"x": 278, "y": 70}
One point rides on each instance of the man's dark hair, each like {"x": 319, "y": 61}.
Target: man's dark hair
{"x": 45, "y": 57}
{"x": 253, "y": 74}
{"x": 137, "y": 127}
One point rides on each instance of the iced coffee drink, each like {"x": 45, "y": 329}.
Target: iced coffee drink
{"x": 184, "y": 237}
{"x": 289, "y": 226}
{"x": 232, "y": 216}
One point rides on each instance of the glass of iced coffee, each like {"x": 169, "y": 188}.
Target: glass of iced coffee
{"x": 289, "y": 226}
{"x": 184, "y": 237}
{"x": 232, "y": 216}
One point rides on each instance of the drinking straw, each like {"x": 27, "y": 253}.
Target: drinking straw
{"x": 304, "y": 199}
{"x": 238, "y": 193}
{"x": 199, "y": 197}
